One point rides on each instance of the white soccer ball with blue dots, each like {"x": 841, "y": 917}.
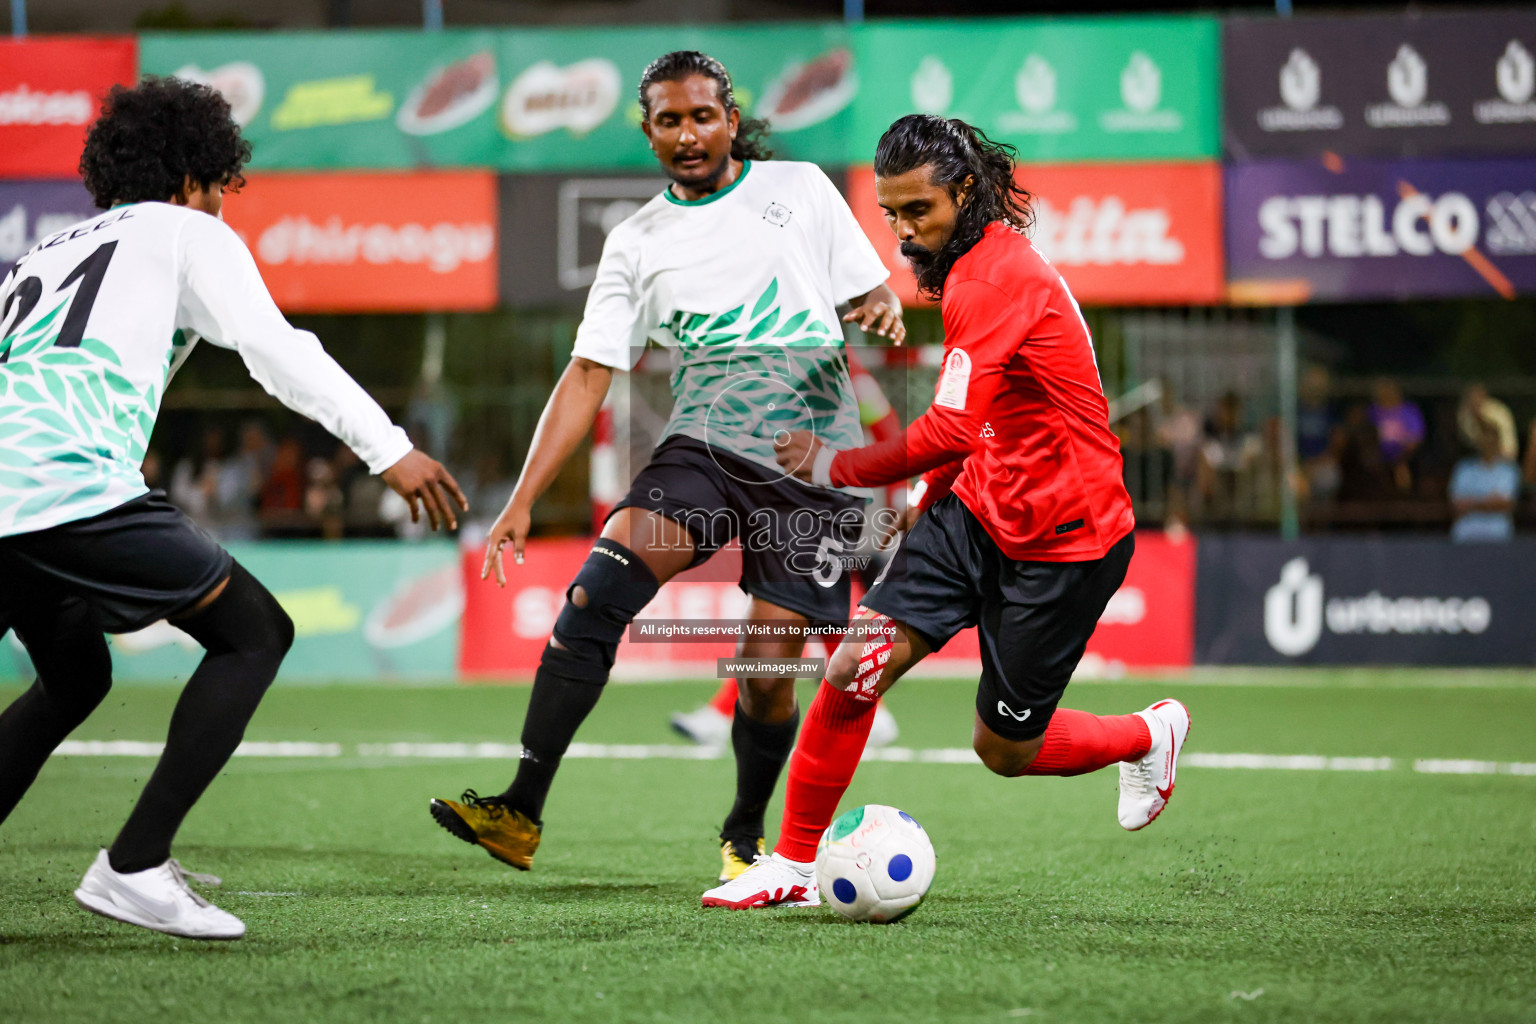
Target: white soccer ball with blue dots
{"x": 875, "y": 863}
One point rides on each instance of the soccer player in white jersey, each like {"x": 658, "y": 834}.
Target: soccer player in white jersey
{"x": 94, "y": 321}
{"x": 739, "y": 266}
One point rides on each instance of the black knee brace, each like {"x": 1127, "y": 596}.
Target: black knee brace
{"x": 615, "y": 584}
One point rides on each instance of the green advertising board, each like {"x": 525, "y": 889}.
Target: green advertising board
{"x": 1141, "y": 88}
{"x": 360, "y": 610}
{"x": 535, "y": 99}
{"x": 1137, "y": 88}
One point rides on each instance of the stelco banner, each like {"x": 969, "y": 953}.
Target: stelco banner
{"x": 1124, "y": 234}
{"x": 1420, "y": 85}
{"x": 1364, "y": 601}
{"x": 380, "y": 242}
{"x": 32, "y": 210}
{"x": 525, "y": 100}
{"x": 1060, "y": 89}
{"x": 1367, "y": 229}
{"x": 50, "y": 92}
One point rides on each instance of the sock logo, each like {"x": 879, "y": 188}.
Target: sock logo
{"x": 1006, "y": 710}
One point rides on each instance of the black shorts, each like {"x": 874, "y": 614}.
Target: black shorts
{"x": 1035, "y": 618}
{"x": 132, "y": 565}
{"x": 795, "y": 539}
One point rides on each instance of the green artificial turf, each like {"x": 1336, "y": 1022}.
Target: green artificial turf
{"x": 1261, "y": 895}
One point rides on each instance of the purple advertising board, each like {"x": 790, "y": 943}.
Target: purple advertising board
{"x": 1443, "y": 84}
{"x": 31, "y": 210}
{"x": 1343, "y": 230}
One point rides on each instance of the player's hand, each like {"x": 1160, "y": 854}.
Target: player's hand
{"x": 903, "y": 522}
{"x": 420, "y": 478}
{"x": 795, "y": 452}
{"x": 880, "y": 318}
{"x": 512, "y": 525}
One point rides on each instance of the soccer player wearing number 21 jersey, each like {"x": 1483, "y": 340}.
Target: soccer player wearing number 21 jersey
{"x": 94, "y": 321}
{"x": 1025, "y": 527}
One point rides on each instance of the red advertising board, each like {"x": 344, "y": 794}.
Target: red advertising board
{"x": 1150, "y": 622}
{"x": 1121, "y": 234}
{"x": 372, "y": 242}
{"x": 50, "y": 92}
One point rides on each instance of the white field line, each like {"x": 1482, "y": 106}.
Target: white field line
{"x": 674, "y": 752}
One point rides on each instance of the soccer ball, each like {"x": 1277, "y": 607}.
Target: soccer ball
{"x": 875, "y": 863}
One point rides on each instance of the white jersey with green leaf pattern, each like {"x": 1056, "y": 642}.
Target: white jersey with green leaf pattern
{"x": 744, "y": 285}
{"x": 96, "y": 319}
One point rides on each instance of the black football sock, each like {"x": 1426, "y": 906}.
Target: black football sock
{"x": 761, "y": 750}
{"x": 74, "y": 672}
{"x": 246, "y": 634}
{"x": 566, "y": 688}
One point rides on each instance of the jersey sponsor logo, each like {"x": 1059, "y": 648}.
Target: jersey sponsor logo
{"x": 956, "y": 380}
{"x": 778, "y": 214}
{"x": 1006, "y": 710}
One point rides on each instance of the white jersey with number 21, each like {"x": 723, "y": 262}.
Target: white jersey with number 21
{"x": 96, "y": 319}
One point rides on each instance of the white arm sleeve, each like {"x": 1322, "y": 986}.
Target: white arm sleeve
{"x": 224, "y": 300}
{"x": 609, "y": 333}
{"x": 852, "y": 263}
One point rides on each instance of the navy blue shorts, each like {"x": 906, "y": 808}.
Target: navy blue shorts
{"x": 1035, "y": 618}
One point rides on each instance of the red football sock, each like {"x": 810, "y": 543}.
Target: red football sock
{"x": 725, "y": 701}
{"x": 831, "y": 742}
{"x": 1077, "y": 743}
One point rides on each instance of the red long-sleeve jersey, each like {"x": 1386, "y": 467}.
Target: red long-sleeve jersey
{"x": 1021, "y": 403}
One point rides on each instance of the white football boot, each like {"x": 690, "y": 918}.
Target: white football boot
{"x": 1146, "y": 785}
{"x": 883, "y": 731}
{"x": 157, "y": 898}
{"x": 771, "y": 881}
{"x": 704, "y": 726}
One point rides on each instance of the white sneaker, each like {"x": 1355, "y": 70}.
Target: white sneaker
{"x": 157, "y": 898}
{"x": 771, "y": 881}
{"x": 1146, "y": 785}
{"x": 883, "y": 731}
{"x": 704, "y": 726}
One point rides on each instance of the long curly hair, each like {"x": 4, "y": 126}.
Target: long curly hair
{"x": 956, "y": 152}
{"x": 751, "y": 142}
{"x": 150, "y": 139}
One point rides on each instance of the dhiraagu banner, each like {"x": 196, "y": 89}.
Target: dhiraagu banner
{"x": 535, "y": 99}
{"x": 1061, "y": 90}
{"x": 361, "y": 610}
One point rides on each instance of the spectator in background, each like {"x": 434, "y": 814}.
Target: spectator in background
{"x": 1228, "y": 454}
{"x": 1476, "y": 407}
{"x": 323, "y": 498}
{"x": 195, "y": 480}
{"x": 282, "y": 493}
{"x": 1483, "y": 490}
{"x": 1399, "y": 431}
{"x": 1179, "y": 431}
{"x": 1319, "y": 436}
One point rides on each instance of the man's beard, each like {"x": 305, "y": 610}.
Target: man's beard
{"x": 931, "y": 266}
{"x": 701, "y": 180}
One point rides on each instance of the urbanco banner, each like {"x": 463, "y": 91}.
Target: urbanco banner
{"x": 1355, "y": 229}
{"x": 523, "y": 100}
{"x": 1059, "y": 89}
{"x": 50, "y": 91}
{"x": 1346, "y": 600}
{"x": 1384, "y": 86}
{"x": 422, "y": 241}
{"x": 1121, "y": 234}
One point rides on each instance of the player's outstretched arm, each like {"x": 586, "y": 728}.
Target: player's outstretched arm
{"x": 419, "y": 478}
{"x": 878, "y": 312}
{"x": 567, "y": 418}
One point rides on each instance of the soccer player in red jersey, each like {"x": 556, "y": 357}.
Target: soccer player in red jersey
{"x": 1025, "y": 527}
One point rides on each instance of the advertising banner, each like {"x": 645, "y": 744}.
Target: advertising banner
{"x": 372, "y": 242}
{"x": 1120, "y": 234}
{"x": 32, "y": 210}
{"x": 1412, "y": 85}
{"x": 531, "y": 99}
{"x": 1063, "y": 89}
{"x": 1376, "y": 601}
{"x": 1149, "y": 621}
{"x": 50, "y": 92}
{"x": 361, "y": 610}
{"x": 1347, "y": 229}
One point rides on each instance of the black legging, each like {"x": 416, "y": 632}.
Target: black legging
{"x": 246, "y": 634}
